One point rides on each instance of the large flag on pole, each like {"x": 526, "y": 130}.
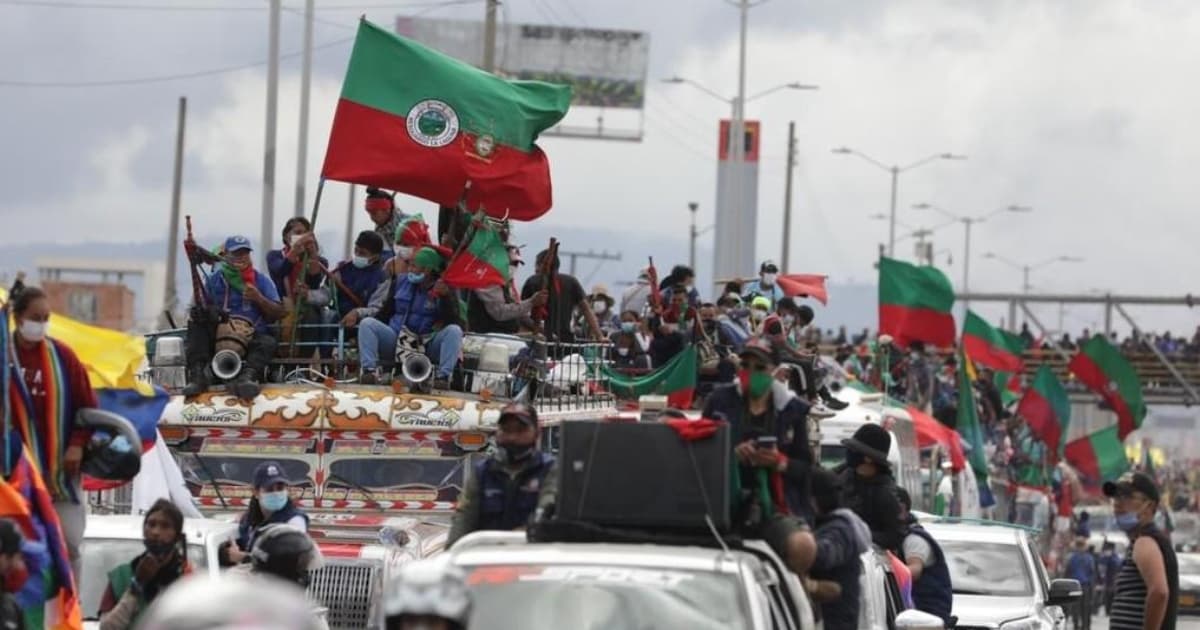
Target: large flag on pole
{"x": 971, "y": 429}
{"x": 1098, "y": 456}
{"x": 482, "y": 263}
{"x": 425, "y": 124}
{"x": 914, "y": 304}
{"x": 1101, "y": 367}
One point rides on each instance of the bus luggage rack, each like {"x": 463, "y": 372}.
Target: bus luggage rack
{"x": 553, "y": 376}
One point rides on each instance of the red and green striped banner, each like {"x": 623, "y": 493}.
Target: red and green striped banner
{"x": 914, "y": 304}
{"x": 1009, "y": 384}
{"x": 1099, "y": 456}
{"x": 992, "y": 347}
{"x": 676, "y": 378}
{"x": 425, "y": 124}
{"x": 1101, "y": 367}
{"x": 1047, "y": 409}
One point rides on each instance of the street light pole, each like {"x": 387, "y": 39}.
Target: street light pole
{"x": 967, "y": 261}
{"x": 693, "y": 207}
{"x": 892, "y": 214}
{"x": 787, "y": 195}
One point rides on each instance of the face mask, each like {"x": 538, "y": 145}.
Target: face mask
{"x": 512, "y": 453}
{"x": 668, "y": 329}
{"x": 628, "y": 327}
{"x": 404, "y": 253}
{"x": 788, "y": 320}
{"x": 416, "y": 278}
{"x": 757, "y": 315}
{"x": 599, "y": 307}
{"x": 623, "y": 351}
{"x": 1127, "y": 521}
{"x": 361, "y": 262}
{"x": 292, "y": 238}
{"x": 159, "y": 549}
{"x": 274, "y": 501}
{"x": 768, "y": 279}
{"x": 755, "y": 383}
{"x": 33, "y": 331}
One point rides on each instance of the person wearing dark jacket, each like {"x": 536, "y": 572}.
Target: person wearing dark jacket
{"x": 770, "y": 435}
{"x": 842, "y": 538}
{"x": 358, "y": 278}
{"x": 932, "y": 590}
{"x": 271, "y": 505}
{"x": 503, "y": 492}
{"x": 868, "y": 487}
{"x": 13, "y": 575}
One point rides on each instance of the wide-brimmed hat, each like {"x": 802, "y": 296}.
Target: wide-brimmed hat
{"x": 871, "y": 440}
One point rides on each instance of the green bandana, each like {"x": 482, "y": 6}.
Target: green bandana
{"x": 428, "y": 258}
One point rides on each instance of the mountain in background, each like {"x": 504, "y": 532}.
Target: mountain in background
{"x": 850, "y": 305}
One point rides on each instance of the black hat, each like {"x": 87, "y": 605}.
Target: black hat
{"x": 786, "y": 304}
{"x": 520, "y": 411}
{"x": 757, "y": 347}
{"x": 768, "y": 266}
{"x": 1132, "y": 482}
{"x": 870, "y": 440}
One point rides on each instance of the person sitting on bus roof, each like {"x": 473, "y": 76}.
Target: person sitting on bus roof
{"x": 503, "y": 492}
{"x": 271, "y": 505}
{"x": 770, "y": 430}
{"x": 358, "y": 278}
{"x": 235, "y": 290}
{"x": 420, "y": 303}
{"x": 498, "y": 308}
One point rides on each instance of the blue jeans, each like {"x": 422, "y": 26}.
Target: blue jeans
{"x": 376, "y": 337}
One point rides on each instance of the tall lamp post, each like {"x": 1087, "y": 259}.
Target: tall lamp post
{"x": 1026, "y": 269}
{"x": 895, "y": 171}
{"x": 968, "y": 221}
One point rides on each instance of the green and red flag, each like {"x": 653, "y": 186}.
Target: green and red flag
{"x": 1098, "y": 456}
{"x": 1009, "y": 385}
{"x": 482, "y": 263}
{"x": 969, "y": 427}
{"x": 676, "y": 379}
{"x": 425, "y": 124}
{"x": 1046, "y": 409}
{"x": 914, "y": 304}
{"x": 1101, "y": 367}
{"x": 992, "y": 347}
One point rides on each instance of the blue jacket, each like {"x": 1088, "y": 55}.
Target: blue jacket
{"x": 507, "y": 502}
{"x": 361, "y": 282}
{"x": 220, "y": 295}
{"x": 413, "y": 307}
{"x": 933, "y": 593}
{"x": 1082, "y": 566}
{"x": 247, "y": 534}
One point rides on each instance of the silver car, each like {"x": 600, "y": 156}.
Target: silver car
{"x": 999, "y": 580}
{"x": 533, "y": 586}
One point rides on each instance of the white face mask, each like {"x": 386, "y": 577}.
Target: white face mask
{"x": 599, "y": 306}
{"x": 404, "y": 253}
{"x": 33, "y": 331}
{"x": 757, "y": 315}
{"x": 768, "y": 279}
{"x": 788, "y": 320}
{"x": 623, "y": 351}
{"x": 292, "y": 238}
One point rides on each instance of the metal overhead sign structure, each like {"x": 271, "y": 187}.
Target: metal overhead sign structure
{"x": 606, "y": 68}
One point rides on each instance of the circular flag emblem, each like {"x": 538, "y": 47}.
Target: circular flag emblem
{"x": 432, "y": 123}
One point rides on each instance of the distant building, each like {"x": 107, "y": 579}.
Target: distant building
{"x": 103, "y": 292}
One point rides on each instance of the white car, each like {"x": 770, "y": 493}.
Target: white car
{"x": 998, "y": 577}
{"x": 534, "y": 586}
{"x": 109, "y": 541}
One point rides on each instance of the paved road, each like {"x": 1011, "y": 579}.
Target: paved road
{"x": 1100, "y": 622}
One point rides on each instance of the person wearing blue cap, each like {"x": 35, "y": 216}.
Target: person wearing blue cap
{"x": 241, "y": 303}
{"x": 271, "y": 505}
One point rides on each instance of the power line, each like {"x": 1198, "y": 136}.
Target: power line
{"x": 547, "y": 12}
{"x": 164, "y": 78}
{"x": 575, "y": 12}
{"x": 120, "y": 6}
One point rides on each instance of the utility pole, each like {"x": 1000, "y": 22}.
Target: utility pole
{"x": 305, "y": 86}
{"x": 967, "y": 262}
{"x": 692, "y": 234}
{"x": 350, "y": 225}
{"x": 737, "y": 133}
{"x": 574, "y": 256}
{"x": 787, "y": 196}
{"x": 171, "y": 295}
{"x": 268, "y": 192}
{"x": 489, "y": 35}
{"x": 891, "y": 252}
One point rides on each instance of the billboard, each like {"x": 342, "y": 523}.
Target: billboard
{"x": 605, "y": 67}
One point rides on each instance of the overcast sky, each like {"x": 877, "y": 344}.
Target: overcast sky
{"x": 1083, "y": 109}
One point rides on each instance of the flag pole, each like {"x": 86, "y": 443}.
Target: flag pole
{"x": 304, "y": 267}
